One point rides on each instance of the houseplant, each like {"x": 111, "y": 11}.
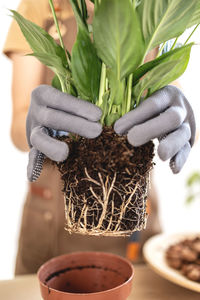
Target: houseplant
{"x": 105, "y": 190}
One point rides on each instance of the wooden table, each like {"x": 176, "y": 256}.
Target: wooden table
{"x": 147, "y": 286}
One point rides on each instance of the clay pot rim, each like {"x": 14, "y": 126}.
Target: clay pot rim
{"x": 87, "y": 253}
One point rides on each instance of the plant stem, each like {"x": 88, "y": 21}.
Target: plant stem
{"x": 138, "y": 99}
{"x": 161, "y": 49}
{"x": 84, "y": 10}
{"x": 191, "y": 34}
{"x": 174, "y": 44}
{"x": 64, "y": 89}
{"x": 80, "y": 7}
{"x": 129, "y": 93}
{"x": 102, "y": 84}
{"x": 107, "y": 85}
{"x": 56, "y": 23}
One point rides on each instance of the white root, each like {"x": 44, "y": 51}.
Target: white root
{"x": 106, "y": 195}
{"x": 124, "y": 206}
{"x": 99, "y": 206}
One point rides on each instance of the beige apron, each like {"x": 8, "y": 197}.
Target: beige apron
{"x": 42, "y": 233}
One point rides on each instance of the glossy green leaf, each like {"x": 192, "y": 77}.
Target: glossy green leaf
{"x": 117, "y": 35}
{"x": 142, "y": 70}
{"x": 38, "y": 39}
{"x": 152, "y": 78}
{"x": 163, "y": 74}
{"x": 163, "y": 20}
{"x": 195, "y": 17}
{"x": 86, "y": 67}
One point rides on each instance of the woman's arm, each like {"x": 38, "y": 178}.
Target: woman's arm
{"x": 27, "y": 75}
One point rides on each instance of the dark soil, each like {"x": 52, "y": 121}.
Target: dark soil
{"x": 80, "y": 268}
{"x": 106, "y": 169}
{"x": 185, "y": 257}
{"x": 96, "y": 274}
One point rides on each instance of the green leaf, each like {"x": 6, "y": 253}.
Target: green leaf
{"x": 193, "y": 179}
{"x": 56, "y": 83}
{"x": 38, "y": 39}
{"x": 117, "y": 35}
{"x": 152, "y": 78}
{"x": 86, "y": 67}
{"x": 163, "y": 20}
{"x": 77, "y": 12}
{"x": 112, "y": 118}
{"x": 168, "y": 70}
{"x": 119, "y": 92}
{"x": 52, "y": 61}
{"x": 117, "y": 88}
{"x": 142, "y": 70}
{"x": 190, "y": 199}
{"x": 195, "y": 17}
{"x": 84, "y": 10}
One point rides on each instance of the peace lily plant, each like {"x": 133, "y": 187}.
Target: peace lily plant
{"x": 106, "y": 67}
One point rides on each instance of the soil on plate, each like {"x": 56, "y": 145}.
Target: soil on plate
{"x": 105, "y": 184}
{"x": 185, "y": 257}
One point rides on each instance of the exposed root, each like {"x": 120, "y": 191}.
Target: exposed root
{"x": 106, "y": 219}
{"x": 105, "y": 185}
{"x": 124, "y": 206}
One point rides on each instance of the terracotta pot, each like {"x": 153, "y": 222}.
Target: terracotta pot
{"x": 86, "y": 275}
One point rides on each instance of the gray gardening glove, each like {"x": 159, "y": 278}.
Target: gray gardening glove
{"x": 166, "y": 115}
{"x": 52, "y": 111}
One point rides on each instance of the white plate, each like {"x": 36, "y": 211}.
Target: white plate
{"x": 154, "y": 253}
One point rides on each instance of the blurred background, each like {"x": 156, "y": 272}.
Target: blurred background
{"x": 175, "y": 214}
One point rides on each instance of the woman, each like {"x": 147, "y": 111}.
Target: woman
{"x": 42, "y": 231}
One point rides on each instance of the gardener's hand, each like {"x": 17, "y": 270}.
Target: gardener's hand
{"x": 166, "y": 115}
{"x": 52, "y": 109}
